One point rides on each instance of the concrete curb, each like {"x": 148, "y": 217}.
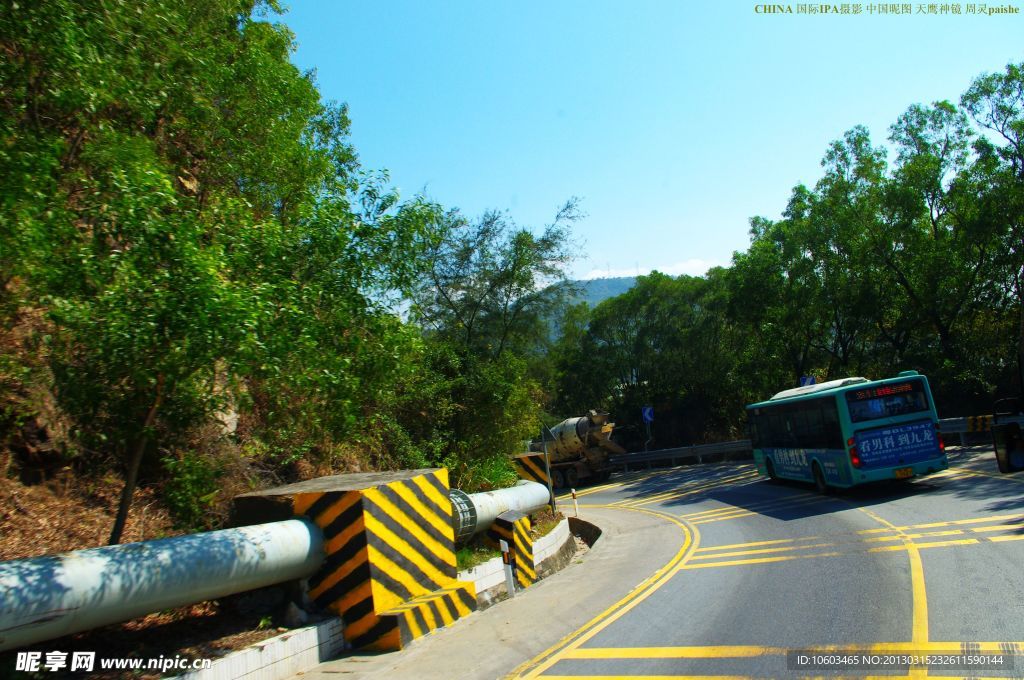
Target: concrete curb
{"x": 489, "y": 577}
{"x": 279, "y": 657}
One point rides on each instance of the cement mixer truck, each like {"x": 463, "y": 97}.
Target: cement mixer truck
{"x": 579, "y": 449}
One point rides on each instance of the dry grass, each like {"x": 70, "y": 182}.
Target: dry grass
{"x": 69, "y": 513}
{"x": 207, "y": 630}
{"x": 544, "y": 522}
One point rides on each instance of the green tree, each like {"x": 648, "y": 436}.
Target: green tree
{"x": 179, "y": 200}
{"x": 995, "y": 102}
{"x": 493, "y": 285}
{"x": 485, "y": 305}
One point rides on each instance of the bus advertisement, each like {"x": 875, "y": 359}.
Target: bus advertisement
{"x": 847, "y": 432}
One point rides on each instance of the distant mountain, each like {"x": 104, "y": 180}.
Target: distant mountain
{"x": 595, "y": 291}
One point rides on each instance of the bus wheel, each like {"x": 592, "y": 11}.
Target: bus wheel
{"x": 819, "y": 479}
{"x": 771, "y": 469}
{"x": 572, "y": 478}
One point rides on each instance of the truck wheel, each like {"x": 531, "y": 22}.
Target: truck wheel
{"x": 557, "y": 480}
{"x": 572, "y": 478}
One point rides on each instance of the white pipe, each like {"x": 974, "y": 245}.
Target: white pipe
{"x": 525, "y": 497}
{"x": 55, "y": 595}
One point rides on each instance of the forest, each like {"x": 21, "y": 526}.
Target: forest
{"x": 203, "y": 291}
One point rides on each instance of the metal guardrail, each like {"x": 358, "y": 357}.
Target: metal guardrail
{"x": 975, "y": 423}
{"x": 672, "y": 455}
{"x": 961, "y": 426}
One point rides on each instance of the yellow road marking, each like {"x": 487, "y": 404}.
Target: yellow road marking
{"x": 840, "y": 553}
{"x": 973, "y": 520}
{"x": 762, "y": 551}
{"x": 933, "y": 544}
{"x": 760, "y": 505}
{"x": 554, "y": 654}
{"x": 686, "y": 490}
{"x": 999, "y": 527}
{"x": 748, "y": 545}
{"x": 924, "y": 534}
{"x": 571, "y": 646}
{"x": 1008, "y": 478}
{"x": 749, "y": 651}
{"x": 759, "y": 560}
{"x": 687, "y": 486}
{"x": 636, "y": 477}
{"x": 919, "y": 624}
{"x": 645, "y": 677}
{"x": 955, "y": 522}
{"x": 604, "y": 487}
{"x": 744, "y": 677}
{"x": 740, "y": 511}
{"x": 1003, "y": 539}
{"x": 755, "y": 651}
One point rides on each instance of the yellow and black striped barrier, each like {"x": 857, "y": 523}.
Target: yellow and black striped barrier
{"x": 390, "y": 566}
{"x": 979, "y": 423}
{"x": 514, "y": 528}
{"x": 530, "y": 466}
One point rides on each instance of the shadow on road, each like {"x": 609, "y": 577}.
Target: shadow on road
{"x": 974, "y": 476}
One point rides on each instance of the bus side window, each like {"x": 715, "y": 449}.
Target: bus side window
{"x": 794, "y": 428}
{"x": 815, "y": 432}
{"x": 776, "y": 430}
{"x": 833, "y": 434}
{"x": 752, "y": 432}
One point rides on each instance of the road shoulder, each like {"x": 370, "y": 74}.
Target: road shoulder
{"x": 491, "y": 643}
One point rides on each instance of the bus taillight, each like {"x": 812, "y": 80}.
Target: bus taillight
{"x": 854, "y": 456}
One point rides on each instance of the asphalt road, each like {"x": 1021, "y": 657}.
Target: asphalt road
{"x": 766, "y": 572}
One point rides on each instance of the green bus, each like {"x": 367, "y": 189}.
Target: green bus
{"x": 847, "y": 432}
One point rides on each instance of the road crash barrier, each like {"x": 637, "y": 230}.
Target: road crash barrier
{"x": 967, "y": 427}
{"x": 979, "y": 423}
{"x": 514, "y": 528}
{"x": 531, "y": 467}
{"x": 390, "y": 565}
{"x": 376, "y": 548}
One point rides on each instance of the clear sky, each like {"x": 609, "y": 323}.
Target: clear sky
{"x": 673, "y": 121}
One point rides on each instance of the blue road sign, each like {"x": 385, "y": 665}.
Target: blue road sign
{"x": 648, "y": 413}
{"x": 806, "y": 380}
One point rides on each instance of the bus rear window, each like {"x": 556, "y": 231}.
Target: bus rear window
{"x": 886, "y": 401}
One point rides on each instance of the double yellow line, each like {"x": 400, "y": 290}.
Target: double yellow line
{"x": 572, "y": 642}
{"x": 697, "y": 486}
{"x": 634, "y": 477}
{"x": 783, "y": 550}
{"x": 738, "y": 511}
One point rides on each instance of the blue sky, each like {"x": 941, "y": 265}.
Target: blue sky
{"x": 674, "y": 122}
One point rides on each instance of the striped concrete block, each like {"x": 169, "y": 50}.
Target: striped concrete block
{"x": 530, "y": 466}
{"x": 979, "y": 423}
{"x": 390, "y": 570}
{"x": 514, "y": 528}
{"x": 400, "y": 625}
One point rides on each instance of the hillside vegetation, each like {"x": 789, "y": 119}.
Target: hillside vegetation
{"x": 904, "y": 256}
{"x": 202, "y": 291}
{"x": 199, "y": 282}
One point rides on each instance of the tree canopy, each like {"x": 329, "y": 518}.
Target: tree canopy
{"x": 884, "y": 265}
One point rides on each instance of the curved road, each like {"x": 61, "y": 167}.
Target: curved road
{"x": 767, "y": 572}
